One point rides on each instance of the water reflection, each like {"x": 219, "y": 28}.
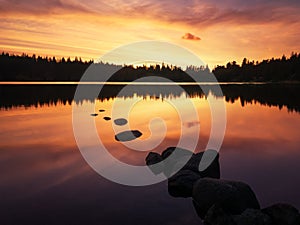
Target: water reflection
{"x": 44, "y": 179}
{"x": 279, "y": 95}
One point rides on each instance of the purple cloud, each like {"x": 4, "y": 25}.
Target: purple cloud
{"x": 201, "y": 13}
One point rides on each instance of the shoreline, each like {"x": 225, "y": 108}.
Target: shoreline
{"x": 140, "y": 83}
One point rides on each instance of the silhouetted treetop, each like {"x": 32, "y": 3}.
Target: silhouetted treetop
{"x": 282, "y": 69}
{"x": 37, "y": 68}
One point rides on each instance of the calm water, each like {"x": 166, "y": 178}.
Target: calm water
{"x": 45, "y": 180}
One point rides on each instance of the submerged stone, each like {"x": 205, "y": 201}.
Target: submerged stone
{"x": 106, "y": 118}
{"x": 94, "y": 114}
{"x": 128, "y": 135}
{"x": 101, "y": 110}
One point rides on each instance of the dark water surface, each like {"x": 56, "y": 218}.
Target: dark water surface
{"x": 45, "y": 180}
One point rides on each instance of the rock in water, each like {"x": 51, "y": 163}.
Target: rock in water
{"x": 106, "y": 118}
{"x": 183, "y": 159}
{"x": 216, "y": 216}
{"x": 101, "y": 110}
{"x": 213, "y": 169}
{"x": 128, "y": 135}
{"x": 252, "y": 217}
{"x": 182, "y": 168}
{"x": 180, "y": 152}
{"x": 233, "y": 197}
{"x": 283, "y": 214}
{"x": 153, "y": 158}
{"x": 181, "y": 184}
{"x": 186, "y": 160}
{"x": 174, "y": 159}
{"x": 94, "y": 114}
{"x": 154, "y": 162}
{"x": 120, "y": 121}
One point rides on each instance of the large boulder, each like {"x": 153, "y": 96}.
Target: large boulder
{"x": 252, "y": 217}
{"x": 154, "y": 162}
{"x": 283, "y": 214}
{"x": 278, "y": 214}
{"x": 183, "y": 159}
{"x": 233, "y": 197}
{"x": 181, "y": 184}
{"x": 210, "y": 158}
{"x": 217, "y": 216}
{"x": 181, "y": 152}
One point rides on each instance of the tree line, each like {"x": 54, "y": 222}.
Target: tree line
{"x": 32, "y": 68}
{"x": 37, "y": 68}
{"x": 280, "y": 69}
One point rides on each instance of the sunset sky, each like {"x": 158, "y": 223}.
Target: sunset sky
{"x": 217, "y": 31}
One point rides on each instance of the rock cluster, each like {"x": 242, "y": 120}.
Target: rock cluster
{"x": 216, "y": 201}
{"x": 127, "y": 135}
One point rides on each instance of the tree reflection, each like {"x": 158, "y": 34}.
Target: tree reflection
{"x": 279, "y": 95}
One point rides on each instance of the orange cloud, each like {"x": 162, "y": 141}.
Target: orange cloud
{"x": 230, "y": 30}
{"x": 189, "y": 36}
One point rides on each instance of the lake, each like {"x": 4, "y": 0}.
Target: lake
{"x": 44, "y": 179}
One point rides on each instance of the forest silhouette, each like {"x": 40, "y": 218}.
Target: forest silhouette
{"x": 282, "y": 69}
{"x": 36, "y": 68}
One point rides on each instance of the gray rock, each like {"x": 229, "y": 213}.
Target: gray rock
{"x": 283, "y": 214}
{"x": 181, "y": 184}
{"x": 234, "y": 197}
{"x": 128, "y": 135}
{"x": 252, "y": 217}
